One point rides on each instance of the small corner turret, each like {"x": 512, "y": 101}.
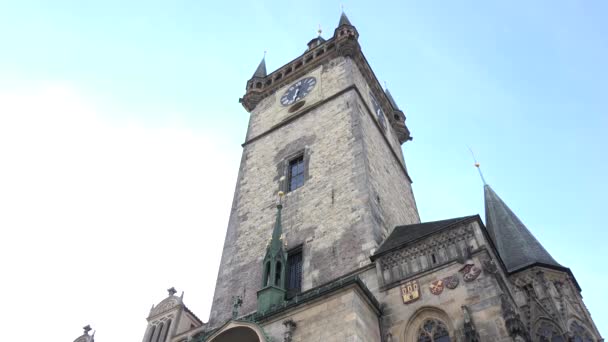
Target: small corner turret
{"x": 274, "y": 267}
{"x": 255, "y": 86}
{"x": 345, "y": 28}
{"x": 399, "y": 119}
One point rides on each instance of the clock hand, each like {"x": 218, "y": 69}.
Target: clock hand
{"x": 295, "y": 94}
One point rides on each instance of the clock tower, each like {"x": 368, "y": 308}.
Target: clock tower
{"x": 324, "y": 241}
{"x": 323, "y": 132}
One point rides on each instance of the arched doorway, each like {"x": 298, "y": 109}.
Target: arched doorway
{"x": 236, "y": 331}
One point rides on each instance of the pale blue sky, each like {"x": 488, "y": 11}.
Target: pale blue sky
{"x": 523, "y": 83}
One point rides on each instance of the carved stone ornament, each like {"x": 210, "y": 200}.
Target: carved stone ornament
{"x": 290, "y": 327}
{"x": 237, "y": 301}
{"x": 470, "y": 272}
{"x": 410, "y": 291}
{"x": 165, "y": 305}
{"x": 436, "y": 287}
{"x": 490, "y": 267}
{"x": 451, "y": 282}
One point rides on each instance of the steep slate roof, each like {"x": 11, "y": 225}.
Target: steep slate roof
{"x": 261, "y": 70}
{"x": 401, "y": 235}
{"x": 344, "y": 20}
{"x": 390, "y": 99}
{"x": 516, "y": 245}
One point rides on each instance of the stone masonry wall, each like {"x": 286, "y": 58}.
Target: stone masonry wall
{"x": 327, "y": 215}
{"x": 392, "y": 199}
{"x": 481, "y": 295}
{"x": 335, "y": 216}
{"x": 343, "y": 316}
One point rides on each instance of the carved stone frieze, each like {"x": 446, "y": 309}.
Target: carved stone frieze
{"x": 437, "y": 249}
{"x": 165, "y": 306}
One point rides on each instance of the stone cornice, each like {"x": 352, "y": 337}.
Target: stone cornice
{"x": 344, "y": 43}
{"x": 308, "y": 109}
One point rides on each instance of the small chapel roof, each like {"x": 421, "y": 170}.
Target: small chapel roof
{"x": 408, "y": 233}
{"x": 516, "y": 245}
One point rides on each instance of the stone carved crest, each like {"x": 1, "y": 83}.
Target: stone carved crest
{"x": 470, "y": 272}
{"x": 436, "y": 287}
{"x": 451, "y": 282}
{"x": 410, "y": 291}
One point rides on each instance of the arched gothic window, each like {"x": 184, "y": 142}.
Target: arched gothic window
{"x": 165, "y": 332}
{"x": 580, "y": 333}
{"x": 433, "y": 330}
{"x": 548, "y": 332}
{"x": 151, "y": 333}
{"x": 159, "y": 331}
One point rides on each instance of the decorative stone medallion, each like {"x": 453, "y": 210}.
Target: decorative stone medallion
{"x": 436, "y": 287}
{"x": 470, "y": 272}
{"x": 410, "y": 291}
{"x": 451, "y": 282}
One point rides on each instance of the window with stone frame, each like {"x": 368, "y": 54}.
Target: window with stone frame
{"x": 433, "y": 330}
{"x": 294, "y": 272}
{"x": 295, "y": 173}
{"x": 580, "y": 333}
{"x": 549, "y": 332}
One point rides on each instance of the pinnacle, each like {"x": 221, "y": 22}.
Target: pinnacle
{"x": 261, "y": 70}
{"x": 344, "y": 20}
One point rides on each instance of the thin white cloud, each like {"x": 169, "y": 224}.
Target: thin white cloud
{"x": 98, "y": 217}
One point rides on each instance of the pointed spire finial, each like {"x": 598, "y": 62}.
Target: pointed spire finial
{"x": 385, "y": 86}
{"x": 86, "y": 329}
{"x": 478, "y": 168}
{"x": 319, "y": 31}
{"x": 261, "y": 70}
{"x": 344, "y": 20}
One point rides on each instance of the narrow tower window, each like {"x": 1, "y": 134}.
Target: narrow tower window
{"x": 165, "y": 331}
{"x": 267, "y": 274}
{"x": 296, "y": 173}
{"x": 151, "y": 336}
{"x": 294, "y": 273}
{"x": 277, "y": 275}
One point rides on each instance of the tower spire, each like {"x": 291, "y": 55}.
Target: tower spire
{"x": 276, "y": 243}
{"x": 516, "y": 245}
{"x": 344, "y": 20}
{"x": 274, "y": 266}
{"x": 390, "y": 97}
{"x": 261, "y": 70}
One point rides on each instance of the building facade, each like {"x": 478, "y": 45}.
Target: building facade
{"x": 324, "y": 240}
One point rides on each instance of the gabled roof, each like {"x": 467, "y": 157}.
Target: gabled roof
{"x": 515, "y": 244}
{"x": 402, "y": 235}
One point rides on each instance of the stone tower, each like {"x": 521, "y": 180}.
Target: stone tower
{"x": 323, "y": 131}
{"x": 343, "y": 255}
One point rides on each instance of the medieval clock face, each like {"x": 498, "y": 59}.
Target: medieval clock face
{"x": 378, "y": 110}
{"x": 298, "y": 91}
